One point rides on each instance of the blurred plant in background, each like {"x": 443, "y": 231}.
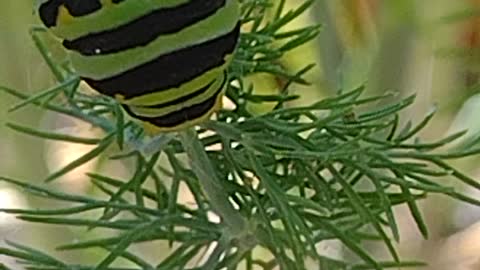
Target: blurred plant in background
{"x": 427, "y": 47}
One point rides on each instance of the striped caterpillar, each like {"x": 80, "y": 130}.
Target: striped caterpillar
{"x": 164, "y": 60}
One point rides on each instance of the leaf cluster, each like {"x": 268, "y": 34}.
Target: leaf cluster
{"x": 281, "y": 183}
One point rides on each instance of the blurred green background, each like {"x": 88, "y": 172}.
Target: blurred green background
{"x": 427, "y": 47}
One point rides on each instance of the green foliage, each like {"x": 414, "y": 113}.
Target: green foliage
{"x": 281, "y": 182}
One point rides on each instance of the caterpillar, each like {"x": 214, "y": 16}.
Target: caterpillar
{"x": 165, "y": 61}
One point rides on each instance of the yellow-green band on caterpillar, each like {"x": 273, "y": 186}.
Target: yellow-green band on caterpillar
{"x": 165, "y": 60}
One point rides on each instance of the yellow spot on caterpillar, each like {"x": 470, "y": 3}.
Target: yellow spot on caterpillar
{"x": 150, "y": 129}
{"x": 120, "y": 98}
{"x": 64, "y": 16}
{"x": 107, "y": 3}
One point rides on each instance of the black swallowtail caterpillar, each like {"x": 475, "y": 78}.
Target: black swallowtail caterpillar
{"x": 164, "y": 60}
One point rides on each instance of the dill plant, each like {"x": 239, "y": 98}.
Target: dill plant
{"x": 280, "y": 182}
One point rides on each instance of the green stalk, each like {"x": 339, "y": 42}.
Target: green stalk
{"x": 214, "y": 191}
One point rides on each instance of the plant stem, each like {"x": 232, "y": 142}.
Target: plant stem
{"x": 211, "y": 184}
